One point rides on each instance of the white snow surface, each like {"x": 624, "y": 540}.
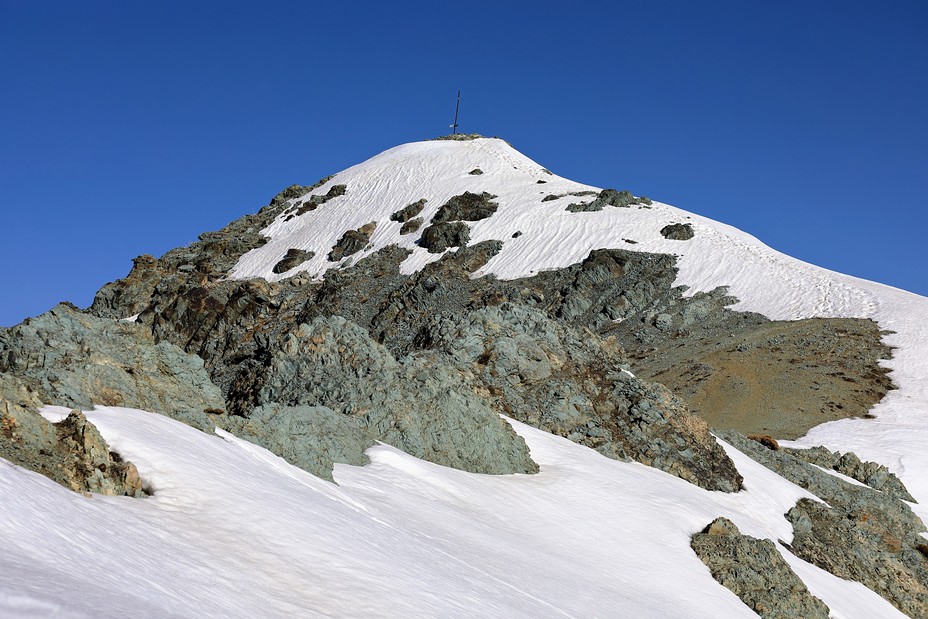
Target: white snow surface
{"x": 763, "y": 279}
{"x": 234, "y": 531}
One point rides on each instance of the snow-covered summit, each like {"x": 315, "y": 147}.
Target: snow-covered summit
{"x": 541, "y": 234}
{"x": 233, "y": 530}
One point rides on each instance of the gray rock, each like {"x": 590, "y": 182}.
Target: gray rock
{"x": 755, "y": 571}
{"x": 411, "y": 226}
{"x": 440, "y": 236}
{"x": 678, "y": 232}
{"x": 607, "y": 197}
{"x": 419, "y": 405}
{"x": 313, "y": 438}
{"x": 71, "y": 453}
{"x": 77, "y": 360}
{"x": 466, "y": 207}
{"x": 858, "y": 534}
{"x": 874, "y": 475}
{"x": 547, "y": 374}
{"x": 409, "y": 211}
{"x": 352, "y": 241}
{"x": 293, "y": 258}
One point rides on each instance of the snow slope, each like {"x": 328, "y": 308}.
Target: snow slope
{"x": 765, "y": 281}
{"x": 234, "y": 531}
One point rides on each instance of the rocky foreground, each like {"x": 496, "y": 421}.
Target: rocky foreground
{"x": 605, "y": 352}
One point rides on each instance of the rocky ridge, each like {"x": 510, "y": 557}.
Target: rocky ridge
{"x": 319, "y": 370}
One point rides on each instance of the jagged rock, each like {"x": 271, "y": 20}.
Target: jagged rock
{"x": 352, "y": 241}
{"x": 546, "y": 374}
{"x": 466, "y": 207}
{"x": 411, "y": 226}
{"x": 607, "y": 197}
{"x": 90, "y": 465}
{"x": 408, "y": 212}
{"x": 213, "y": 255}
{"x": 294, "y": 258}
{"x": 313, "y": 438}
{"x": 872, "y": 474}
{"x": 476, "y": 172}
{"x": 440, "y": 236}
{"x": 73, "y": 359}
{"x": 313, "y": 202}
{"x": 869, "y": 547}
{"x": 71, "y": 453}
{"x": 474, "y": 257}
{"x": 418, "y": 404}
{"x": 755, "y": 571}
{"x": 858, "y": 534}
{"x": 678, "y": 232}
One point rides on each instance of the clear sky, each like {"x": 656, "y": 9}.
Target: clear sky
{"x": 131, "y": 127}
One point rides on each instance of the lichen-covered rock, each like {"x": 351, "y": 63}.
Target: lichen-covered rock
{"x": 90, "y": 465}
{"x": 409, "y": 211}
{"x": 874, "y": 475}
{"x": 678, "y": 232}
{"x": 352, "y": 241}
{"x": 71, "y": 452}
{"x": 77, "y": 360}
{"x": 411, "y": 226}
{"x": 607, "y": 197}
{"x": 858, "y": 534}
{"x": 467, "y": 207}
{"x": 755, "y": 571}
{"x": 419, "y": 404}
{"x": 547, "y": 374}
{"x": 440, "y": 236}
{"x": 293, "y": 258}
{"x": 313, "y": 438}
{"x": 871, "y": 547}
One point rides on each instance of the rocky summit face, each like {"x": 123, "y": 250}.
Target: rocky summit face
{"x": 427, "y": 297}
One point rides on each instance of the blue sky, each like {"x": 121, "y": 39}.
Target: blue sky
{"x": 131, "y": 127}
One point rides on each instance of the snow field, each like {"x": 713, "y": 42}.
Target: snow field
{"x": 234, "y": 531}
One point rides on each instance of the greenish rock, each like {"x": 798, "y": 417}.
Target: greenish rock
{"x": 858, "y": 533}
{"x": 678, "y": 232}
{"x": 352, "y": 241}
{"x": 466, "y": 207}
{"x": 441, "y": 236}
{"x": 313, "y": 438}
{"x": 293, "y": 258}
{"x": 755, "y": 571}
{"x": 77, "y": 360}
{"x": 71, "y": 453}
{"x": 872, "y": 474}
{"x": 409, "y": 211}
{"x": 549, "y": 375}
{"x": 607, "y": 197}
{"x": 419, "y": 404}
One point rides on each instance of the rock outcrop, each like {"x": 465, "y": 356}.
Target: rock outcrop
{"x": 73, "y": 359}
{"x": 754, "y": 571}
{"x": 858, "y": 533}
{"x": 71, "y": 452}
{"x": 678, "y": 232}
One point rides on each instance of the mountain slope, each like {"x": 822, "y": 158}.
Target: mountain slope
{"x": 411, "y": 299}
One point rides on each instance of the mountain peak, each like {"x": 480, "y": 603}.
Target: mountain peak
{"x": 543, "y": 221}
